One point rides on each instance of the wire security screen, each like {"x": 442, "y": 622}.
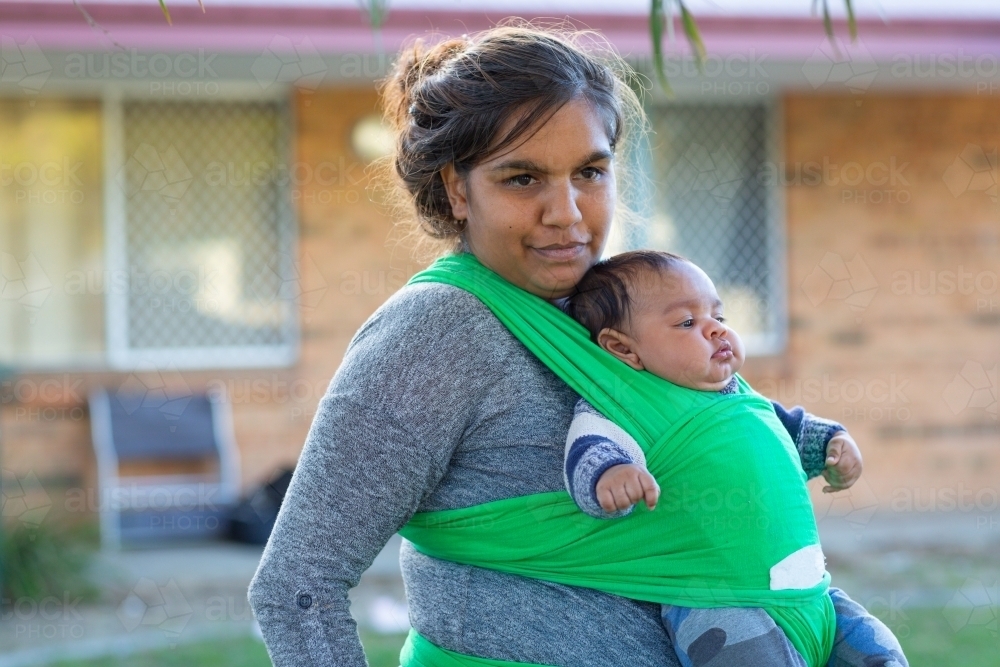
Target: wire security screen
{"x": 208, "y": 229}
{"x": 714, "y": 206}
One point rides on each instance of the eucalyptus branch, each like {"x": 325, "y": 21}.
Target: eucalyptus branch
{"x": 377, "y": 10}
{"x": 661, "y": 15}
{"x": 662, "y": 12}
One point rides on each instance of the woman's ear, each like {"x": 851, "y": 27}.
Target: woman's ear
{"x": 455, "y": 185}
{"x": 620, "y": 345}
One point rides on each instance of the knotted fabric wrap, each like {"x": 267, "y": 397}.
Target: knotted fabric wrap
{"x": 734, "y": 526}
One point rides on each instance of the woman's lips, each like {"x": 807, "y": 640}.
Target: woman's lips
{"x": 560, "y": 252}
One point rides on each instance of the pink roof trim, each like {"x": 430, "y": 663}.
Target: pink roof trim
{"x": 225, "y": 28}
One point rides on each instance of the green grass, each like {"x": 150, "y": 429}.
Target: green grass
{"x": 927, "y": 637}
{"x": 243, "y": 651}
{"x": 50, "y": 559}
{"x": 382, "y": 651}
{"x": 929, "y": 640}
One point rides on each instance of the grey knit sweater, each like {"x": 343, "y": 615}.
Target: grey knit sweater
{"x": 435, "y": 406}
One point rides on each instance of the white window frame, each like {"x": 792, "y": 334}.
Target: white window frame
{"x": 119, "y": 355}
{"x": 116, "y": 354}
{"x": 775, "y": 341}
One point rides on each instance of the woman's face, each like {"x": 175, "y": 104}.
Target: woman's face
{"x": 539, "y": 214}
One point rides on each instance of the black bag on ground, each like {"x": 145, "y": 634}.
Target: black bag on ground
{"x": 253, "y": 517}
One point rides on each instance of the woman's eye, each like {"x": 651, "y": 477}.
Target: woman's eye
{"x": 519, "y": 180}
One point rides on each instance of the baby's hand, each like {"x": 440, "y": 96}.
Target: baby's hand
{"x": 843, "y": 462}
{"x": 621, "y": 486}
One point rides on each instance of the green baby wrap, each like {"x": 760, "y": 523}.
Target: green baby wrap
{"x": 734, "y": 525}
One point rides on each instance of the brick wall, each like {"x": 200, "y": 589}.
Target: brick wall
{"x": 877, "y": 208}
{"x": 916, "y": 235}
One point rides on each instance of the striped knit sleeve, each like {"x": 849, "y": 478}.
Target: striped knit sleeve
{"x": 811, "y": 435}
{"x": 594, "y": 444}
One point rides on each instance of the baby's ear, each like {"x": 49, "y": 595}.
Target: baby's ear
{"x": 620, "y": 345}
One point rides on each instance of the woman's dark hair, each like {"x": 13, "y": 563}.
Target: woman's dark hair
{"x": 447, "y": 103}
{"x": 601, "y": 299}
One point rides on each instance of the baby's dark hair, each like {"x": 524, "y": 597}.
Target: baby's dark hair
{"x": 601, "y": 299}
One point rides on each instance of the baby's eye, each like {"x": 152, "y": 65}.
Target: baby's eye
{"x": 721, "y": 318}
{"x": 688, "y": 323}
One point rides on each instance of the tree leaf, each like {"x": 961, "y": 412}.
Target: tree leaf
{"x": 852, "y": 23}
{"x": 656, "y": 19}
{"x": 693, "y": 35}
{"x": 166, "y": 12}
{"x": 376, "y": 10}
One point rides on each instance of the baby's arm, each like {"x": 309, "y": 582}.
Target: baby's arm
{"x": 593, "y": 445}
{"x": 812, "y": 436}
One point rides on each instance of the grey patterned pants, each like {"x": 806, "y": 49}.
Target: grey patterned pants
{"x": 748, "y": 637}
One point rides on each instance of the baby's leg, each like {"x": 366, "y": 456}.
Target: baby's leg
{"x": 862, "y": 640}
{"x": 728, "y": 636}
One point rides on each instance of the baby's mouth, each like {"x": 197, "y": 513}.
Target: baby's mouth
{"x": 724, "y": 352}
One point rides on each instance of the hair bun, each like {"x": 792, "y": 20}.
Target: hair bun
{"x": 415, "y": 64}
{"x": 439, "y": 54}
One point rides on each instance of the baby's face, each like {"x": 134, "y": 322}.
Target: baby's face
{"x": 678, "y": 330}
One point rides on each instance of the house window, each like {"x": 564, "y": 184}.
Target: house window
{"x": 713, "y": 205}
{"x": 180, "y": 251}
{"x": 51, "y": 232}
{"x": 207, "y": 235}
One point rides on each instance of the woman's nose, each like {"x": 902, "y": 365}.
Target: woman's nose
{"x": 561, "y": 207}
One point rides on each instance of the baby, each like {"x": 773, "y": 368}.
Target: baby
{"x": 659, "y": 312}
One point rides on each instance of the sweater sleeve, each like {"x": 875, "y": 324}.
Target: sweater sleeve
{"x": 594, "y": 444}
{"x": 811, "y": 435}
{"x": 381, "y": 439}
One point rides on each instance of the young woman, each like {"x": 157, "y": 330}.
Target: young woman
{"x": 506, "y": 148}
